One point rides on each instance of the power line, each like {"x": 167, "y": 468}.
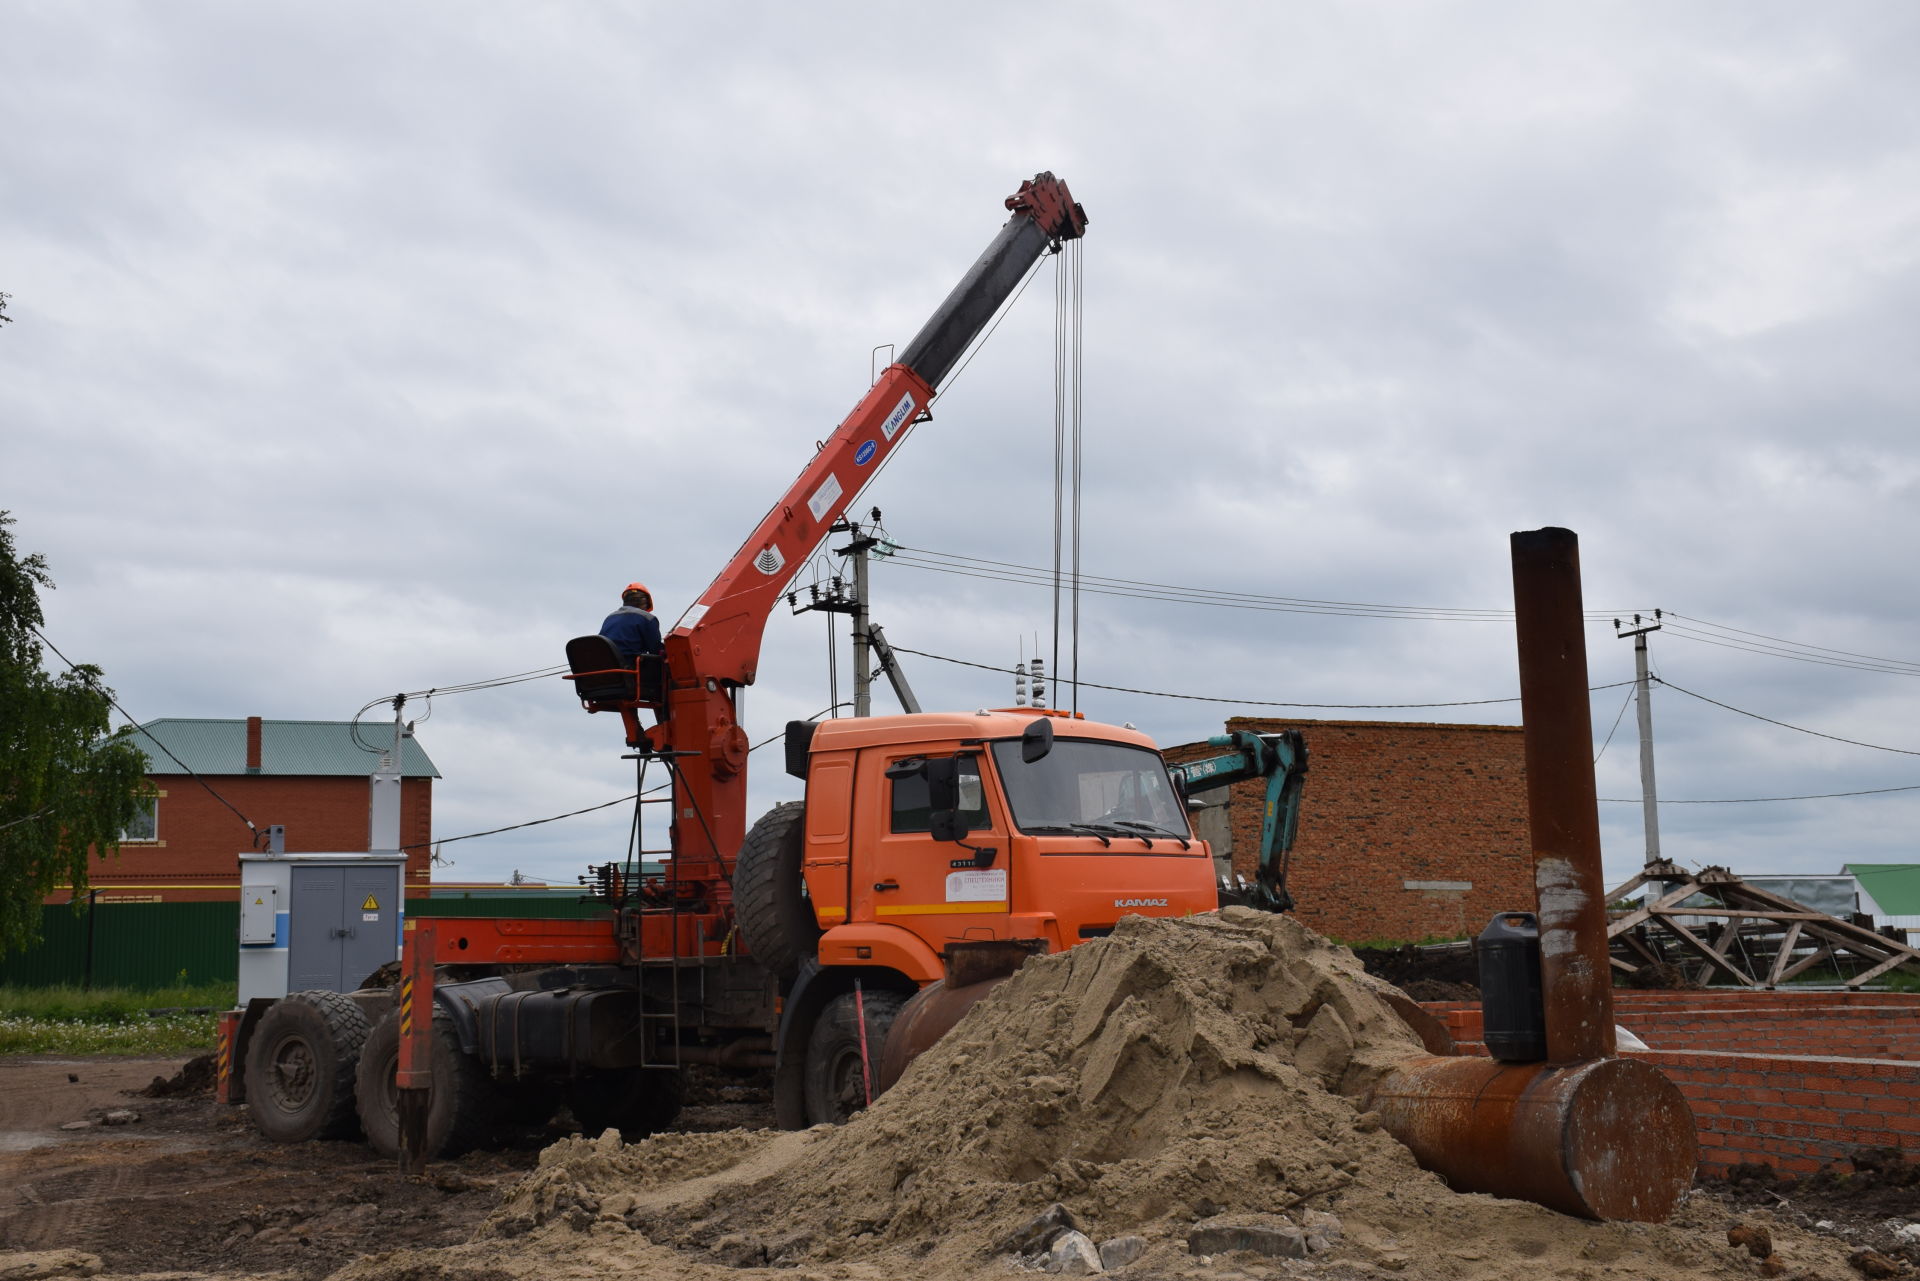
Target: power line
{"x": 1143, "y": 589}
{"x": 1242, "y": 702}
{"x": 1771, "y": 651}
{"x": 28, "y": 818}
{"x": 532, "y": 822}
{"x": 1618, "y": 717}
{"x": 1852, "y": 742}
{"x": 1800, "y": 645}
{"x": 115, "y": 703}
{"x": 1761, "y": 800}
{"x": 618, "y": 800}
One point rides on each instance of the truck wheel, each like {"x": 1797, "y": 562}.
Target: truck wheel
{"x": 463, "y": 1105}
{"x": 835, "y": 1085}
{"x": 635, "y": 1101}
{"x": 300, "y": 1067}
{"x": 769, "y": 896}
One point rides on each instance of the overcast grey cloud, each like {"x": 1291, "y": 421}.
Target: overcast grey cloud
{"x": 361, "y": 348}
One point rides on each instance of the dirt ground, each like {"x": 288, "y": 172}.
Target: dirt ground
{"x": 190, "y": 1187}
{"x": 1174, "y": 1080}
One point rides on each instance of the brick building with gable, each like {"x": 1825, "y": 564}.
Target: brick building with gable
{"x": 1407, "y": 830}
{"x": 310, "y": 777}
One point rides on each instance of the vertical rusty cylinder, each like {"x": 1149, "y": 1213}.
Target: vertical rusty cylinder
{"x": 1583, "y": 1133}
{"x": 1561, "y": 806}
{"x": 413, "y": 1079}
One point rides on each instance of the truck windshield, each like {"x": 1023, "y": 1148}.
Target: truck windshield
{"x": 1086, "y": 785}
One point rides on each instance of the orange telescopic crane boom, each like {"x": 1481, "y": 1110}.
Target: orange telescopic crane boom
{"x": 715, "y": 650}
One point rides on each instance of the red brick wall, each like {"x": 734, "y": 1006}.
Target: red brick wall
{"x": 200, "y": 839}
{"x": 1855, "y": 1084}
{"x": 1795, "y": 1114}
{"x": 1387, "y": 802}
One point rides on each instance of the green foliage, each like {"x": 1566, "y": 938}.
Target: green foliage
{"x": 162, "y": 1034}
{"x": 67, "y": 783}
{"x": 67, "y": 1020}
{"x": 1389, "y": 945}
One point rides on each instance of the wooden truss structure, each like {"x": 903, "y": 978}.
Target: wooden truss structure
{"x": 1752, "y": 937}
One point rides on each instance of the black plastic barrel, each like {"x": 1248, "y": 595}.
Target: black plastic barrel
{"x": 1510, "y": 1002}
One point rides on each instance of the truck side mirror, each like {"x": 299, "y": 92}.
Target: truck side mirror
{"x": 943, "y": 799}
{"x": 799, "y": 743}
{"x": 1036, "y": 740}
{"x": 947, "y": 825}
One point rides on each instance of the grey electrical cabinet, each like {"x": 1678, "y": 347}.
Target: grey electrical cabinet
{"x": 317, "y": 921}
{"x": 343, "y": 925}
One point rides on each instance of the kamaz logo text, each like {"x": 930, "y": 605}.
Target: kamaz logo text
{"x": 1139, "y": 902}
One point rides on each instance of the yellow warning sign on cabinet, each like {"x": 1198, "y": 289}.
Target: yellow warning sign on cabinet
{"x": 371, "y": 905}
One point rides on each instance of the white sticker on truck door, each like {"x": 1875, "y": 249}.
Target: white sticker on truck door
{"x": 977, "y": 887}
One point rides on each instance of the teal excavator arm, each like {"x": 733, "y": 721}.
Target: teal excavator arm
{"x": 1280, "y": 759}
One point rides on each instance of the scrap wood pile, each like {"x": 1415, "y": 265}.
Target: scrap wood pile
{"x": 1179, "y": 1096}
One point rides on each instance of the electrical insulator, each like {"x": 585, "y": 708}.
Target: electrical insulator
{"x": 1039, "y": 682}
{"x": 1019, "y": 684}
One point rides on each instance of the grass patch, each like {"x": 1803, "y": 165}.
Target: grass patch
{"x": 1900, "y": 980}
{"x": 1394, "y": 945}
{"x": 67, "y": 1020}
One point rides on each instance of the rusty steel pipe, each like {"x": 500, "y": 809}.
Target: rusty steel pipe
{"x": 1602, "y": 1139}
{"x": 1562, "y": 810}
{"x": 1584, "y": 1133}
{"x": 973, "y": 969}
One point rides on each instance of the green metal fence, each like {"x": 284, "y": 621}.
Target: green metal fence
{"x": 141, "y": 946}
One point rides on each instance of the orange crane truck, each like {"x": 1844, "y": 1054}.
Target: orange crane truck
{"x": 793, "y": 945}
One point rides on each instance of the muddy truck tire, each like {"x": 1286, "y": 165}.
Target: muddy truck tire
{"x": 301, "y": 1063}
{"x": 465, "y": 1109}
{"x": 769, "y": 897}
{"x": 835, "y": 1083}
{"x": 635, "y": 1101}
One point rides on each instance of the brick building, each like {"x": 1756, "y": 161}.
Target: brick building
{"x": 310, "y": 777}
{"x": 1407, "y": 831}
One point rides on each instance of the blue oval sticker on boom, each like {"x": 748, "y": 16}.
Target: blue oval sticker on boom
{"x": 865, "y": 453}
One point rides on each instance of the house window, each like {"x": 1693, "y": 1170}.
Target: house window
{"x": 145, "y": 825}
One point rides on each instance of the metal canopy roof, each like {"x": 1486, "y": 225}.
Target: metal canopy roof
{"x": 287, "y": 748}
{"x": 1894, "y": 886}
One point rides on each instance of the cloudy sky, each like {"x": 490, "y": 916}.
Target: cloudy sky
{"x": 362, "y": 348}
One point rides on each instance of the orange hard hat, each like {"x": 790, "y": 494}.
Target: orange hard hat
{"x": 635, "y": 587}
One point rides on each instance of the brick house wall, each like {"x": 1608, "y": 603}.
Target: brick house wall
{"x": 1407, "y": 830}
{"x": 310, "y": 777}
{"x": 194, "y": 858}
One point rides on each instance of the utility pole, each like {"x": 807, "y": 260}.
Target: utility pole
{"x": 862, "y": 645}
{"x": 1649, "y": 800}
{"x": 840, "y": 598}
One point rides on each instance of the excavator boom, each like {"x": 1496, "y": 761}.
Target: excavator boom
{"x": 1280, "y": 759}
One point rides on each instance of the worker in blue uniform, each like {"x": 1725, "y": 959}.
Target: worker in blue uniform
{"x": 632, "y": 628}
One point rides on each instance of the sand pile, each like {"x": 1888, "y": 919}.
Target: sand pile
{"x": 1178, "y": 1072}
{"x": 1176, "y": 1069}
